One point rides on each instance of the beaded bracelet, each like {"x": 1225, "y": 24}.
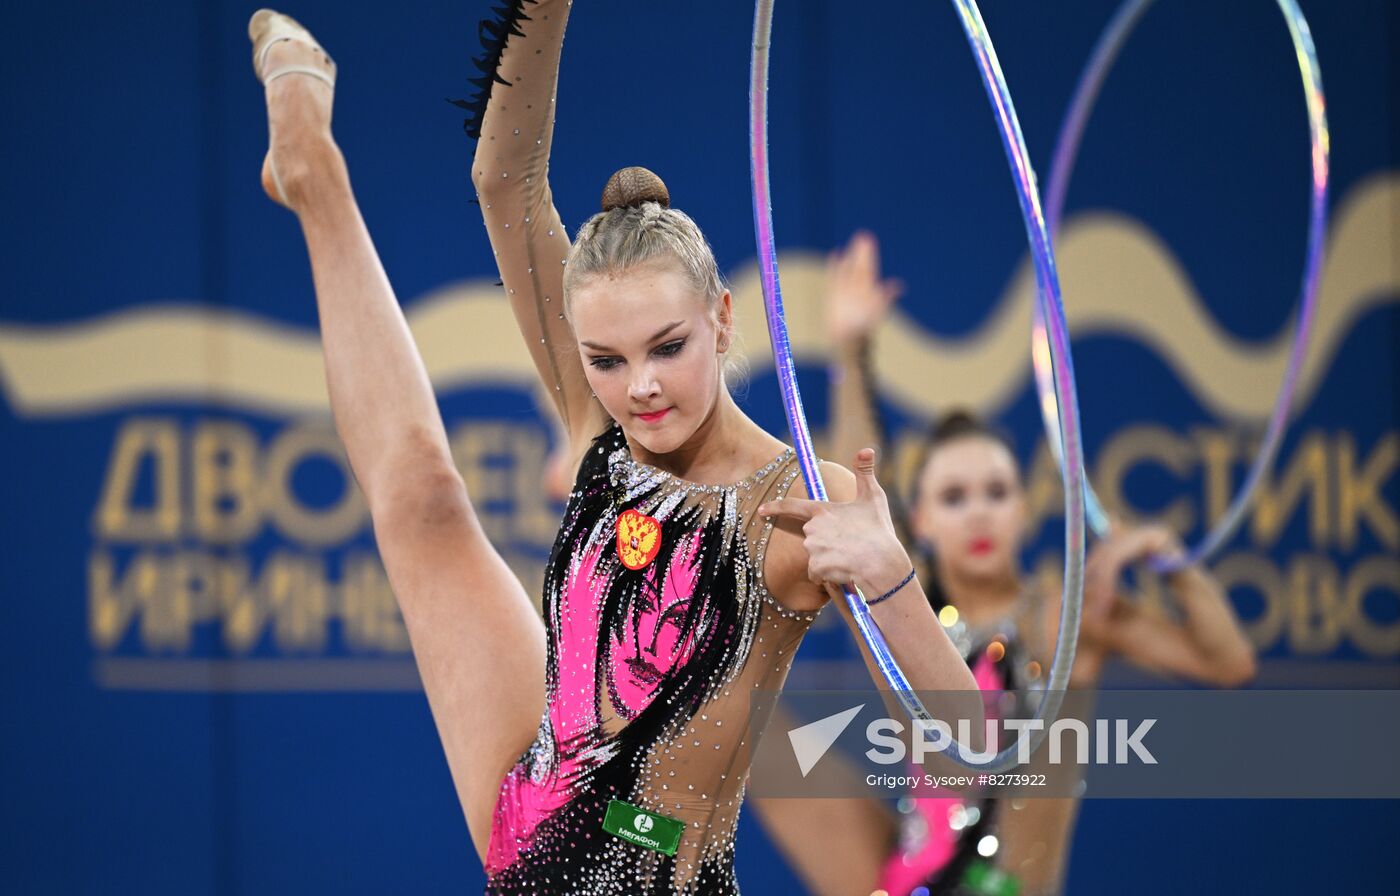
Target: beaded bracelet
{"x": 893, "y": 591}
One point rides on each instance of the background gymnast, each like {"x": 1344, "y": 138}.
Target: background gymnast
{"x": 965, "y": 522}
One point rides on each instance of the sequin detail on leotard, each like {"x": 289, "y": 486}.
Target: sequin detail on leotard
{"x": 940, "y": 836}
{"x": 648, "y": 678}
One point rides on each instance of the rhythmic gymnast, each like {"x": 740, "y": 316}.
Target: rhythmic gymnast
{"x": 966, "y": 518}
{"x": 669, "y": 596}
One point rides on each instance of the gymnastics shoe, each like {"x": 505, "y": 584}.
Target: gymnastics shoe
{"x": 267, "y": 29}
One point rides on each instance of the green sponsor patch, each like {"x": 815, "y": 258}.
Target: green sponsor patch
{"x": 986, "y": 880}
{"x": 642, "y": 827}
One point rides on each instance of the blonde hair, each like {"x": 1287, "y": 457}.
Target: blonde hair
{"x": 637, "y": 226}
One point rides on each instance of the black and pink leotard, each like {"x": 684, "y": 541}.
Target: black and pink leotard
{"x": 659, "y": 628}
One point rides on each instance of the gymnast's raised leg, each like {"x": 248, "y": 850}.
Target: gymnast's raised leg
{"x": 477, "y": 640}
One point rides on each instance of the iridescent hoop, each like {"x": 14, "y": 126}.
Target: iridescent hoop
{"x": 1067, "y": 150}
{"x": 1062, "y": 367}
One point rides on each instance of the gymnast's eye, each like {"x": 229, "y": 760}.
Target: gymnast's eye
{"x": 998, "y": 491}
{"x": 670, "y": 349}
{"x": 605, "y": 362}
{"x": 952, "y": 497}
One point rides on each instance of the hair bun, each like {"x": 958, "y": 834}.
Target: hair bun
{"x": 630, "y": 187}
{"x": 958, "y": 422}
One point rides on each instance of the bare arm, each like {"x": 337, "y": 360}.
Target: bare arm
{"x": 511, "y": 174}
{"x": 857, "y": 300}
{"x": 1206, "y": 645}
{"x": 854, "y": 424}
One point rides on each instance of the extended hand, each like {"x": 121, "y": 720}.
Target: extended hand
{"x": 856, "y": 298}
{"x": 849, "y": 542}
{"x": 1104, "y": 567}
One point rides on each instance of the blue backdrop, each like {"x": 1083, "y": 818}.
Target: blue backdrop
{"x": 206, "y": 685}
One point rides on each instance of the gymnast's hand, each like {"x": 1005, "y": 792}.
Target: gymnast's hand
{"x": 857, "y": 300}
{"x": 1109, "y": 620}
{"x": 1103, "y": 571}
{"x": 849, "y": 542}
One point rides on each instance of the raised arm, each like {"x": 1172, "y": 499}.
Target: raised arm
{"x": 857, "y": 300}
{"x": 1206, "y": 645}
{"x": 511, "y": 174}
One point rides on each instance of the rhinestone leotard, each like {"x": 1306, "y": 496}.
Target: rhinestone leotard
{"x": 648, "y": 680}
{"x": 658, "y": 622}
{"x": 940, "y": 837}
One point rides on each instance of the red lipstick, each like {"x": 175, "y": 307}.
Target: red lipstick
{"x": 654, "y": 416}
{"x": 979, "y": 546}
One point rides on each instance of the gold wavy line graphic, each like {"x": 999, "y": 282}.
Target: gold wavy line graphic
{"x": 1118, "y": 279}
{"x": 181, "y": 353}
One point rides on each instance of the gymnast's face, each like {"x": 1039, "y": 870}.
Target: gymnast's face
{"x": 651, "y": 348}
{"x": 971, "y": 509}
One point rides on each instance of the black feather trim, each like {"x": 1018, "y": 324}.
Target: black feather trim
{"x": 493, "y": 33}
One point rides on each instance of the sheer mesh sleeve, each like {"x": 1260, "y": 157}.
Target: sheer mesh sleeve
{"x": 511, "y": 174}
